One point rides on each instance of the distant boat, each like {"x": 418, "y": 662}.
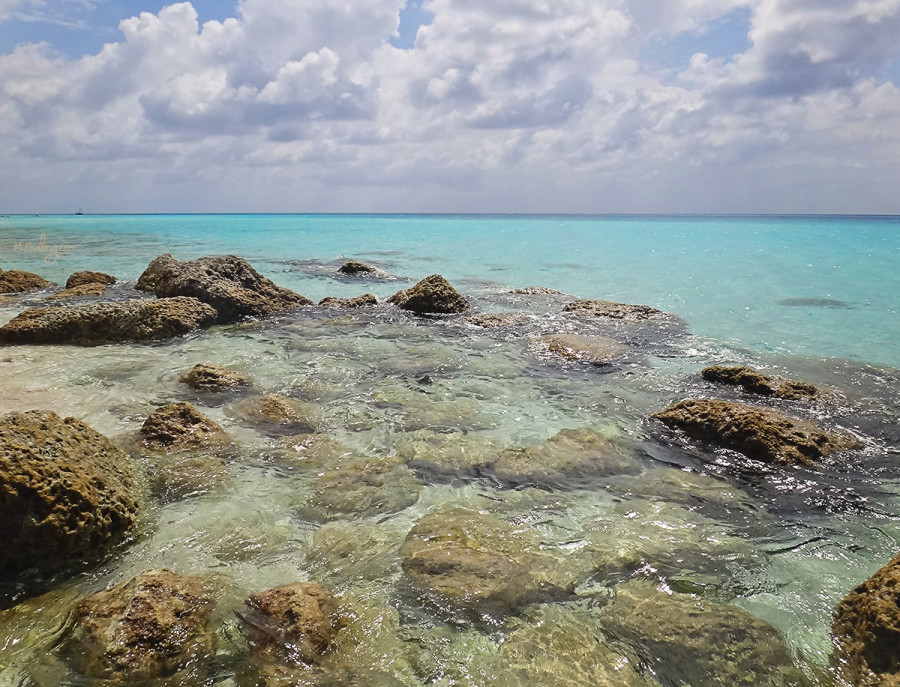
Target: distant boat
{"x": 80, "y": 212}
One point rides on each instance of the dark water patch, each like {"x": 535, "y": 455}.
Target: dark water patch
{"x": 319, "y": 269}
{"x": 814, "y": 303}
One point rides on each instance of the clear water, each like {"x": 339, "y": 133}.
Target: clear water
{"x": 808, "y": 298}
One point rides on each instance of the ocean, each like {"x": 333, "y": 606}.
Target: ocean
{"x": 811, "y": 298}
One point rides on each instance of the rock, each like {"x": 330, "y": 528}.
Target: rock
{"x": 503, "y": 319}
{"x": 17, "y": 281}
{"x": 212, "y": 377}
{"x": 100, "y": 323}
{"x": 179, "y": 426}
{"x": 364, "y": 488}
{"x": 191, "y": 476}
{"x": 66, "y": 493}
{"x": 358, "y": 302}
{"x": 277, "y": 414}
{"x": 537, "y": 291}
{"x": 431, "y": 295}
{"x": 91, "y": 289}
{"x": 227, "y": 283}
{"x": 866, "y": 630}
{"x": 560, "y": 647}
{"x": 82, "y": 278}
{"x": 758, "y": 433}
{"x": 597, "y": 350}
{"x": 355, "y": 550}
{"x": 354, "y": 267}
{"x": 467, "y": 560}
{"x": 315, "y": 451}
{"x": 563, "y": 460}
{"x": 152, "y": 626}
{"x": 616, "y": 311}
{"x": 293, "y": 624}
{"x": 449, "y": 454}
{"x": 755, "y": 382}
{"x": 688, "y": 641}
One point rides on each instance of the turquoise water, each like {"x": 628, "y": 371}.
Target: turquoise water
{"x": 807, "y": 298}
{"x": 726, "y": 276}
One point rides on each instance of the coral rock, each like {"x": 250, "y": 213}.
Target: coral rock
{"x": 433, "y": 294}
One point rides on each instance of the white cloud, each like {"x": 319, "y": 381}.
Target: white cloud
{"x": 511, "y": 104}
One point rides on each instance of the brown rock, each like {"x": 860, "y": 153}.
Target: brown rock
{"x": 537, "y": 291}
{"x": 433, "y": 294}
{"x": 152, "y": 626}
{"x": 756, "y": 382}
{"x": 502, "y": 319}
{"x": 364, "y": 488}
{"x": 354, "y": 267}
{"x": 358, "y": 302}
{"x": 211, "y": 377}
{"x": 17, "y": 281}
{"x": 277, "y": 413}
{"x": 597, "y": 350}
{"x": 177, "y": 426}
{"x": 100, "y": 323}
{"x": 66, "y": 493}
{"x": 227, "y": 283}
{"x": 89, "y": 289}
{"x": 81, "y": 278}
{"x": 866, "y": 630}
{"x": 293, "y": 624}
{"x": 616, "y": 311}
{"x": 758, "y": 433}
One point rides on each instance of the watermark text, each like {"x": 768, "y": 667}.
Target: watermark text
{"x": 50, "y": 251}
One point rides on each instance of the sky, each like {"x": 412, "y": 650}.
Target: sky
{"x": 568, "y": 106}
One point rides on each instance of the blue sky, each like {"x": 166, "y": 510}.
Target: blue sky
{"x": 450, "y": 105}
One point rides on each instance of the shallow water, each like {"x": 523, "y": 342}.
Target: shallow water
{"x": 784, "y": 543}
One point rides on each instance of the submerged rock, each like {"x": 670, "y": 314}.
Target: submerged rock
{"x": 212, "y": 377}
{"x": 364, "y": 488}
{"x": 100, "y": 323}
{"x": 17, "y": 281}
{"x": 152, "y": 626}
{"x": 688, "y": 641}
{"x": 356, "y": 268}
{"x": 185, "y": 477}
{"x": 537, "y": 291}
{"x": 358, "y": 302}
{"x": 293, "y": 624}
{"x": 87, "y": 277}
{"x": 315, "y": 451}
{"x": 755, "y": 382}
{"x": 616, "y": 311}
{"x": 758, "y": 433}
{"x": 227, "y": 283}
{"x": 179, "y": 426}
{"x": 567, "y": 455}
{"x": 866, "y": 630}
{"x": 80, "y": 291}
{"x": 433, "y": 294}
{"x": 494, "y": 320}
{"x": 560, "y": 647}
{"x": 66, "y": 493}
{"x": 468, "y": 560}
{"x": 597, "y": 350}
{"x": 455, "y": 453}
{"x": 277, "y": 414}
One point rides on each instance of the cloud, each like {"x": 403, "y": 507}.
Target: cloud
{"x": 511, "y": 104}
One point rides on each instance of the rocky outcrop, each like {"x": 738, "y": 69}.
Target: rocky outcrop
{"x": 152, "y": 626}
{"x": 354, "y": 267}
{"x": 17, "y": 281}
{"x": 100, "y": 323}
{"x": 433, "y": 294}
{"x": 615, "y": 311}
{"x": 501, "y": 319}
{"x": 211, "y": 377}
{"x": 227, "y": 283}
{"x": 292, "y": 625}
{"x": 66, "y": 493}
{"x": 688, "y": 641}
{"x": 758, "y": 433}
{"x": 86, "y": 277}
{"x": 467, "y": 560}
{"x": 277, "y": 414}
{"x": 597, "y": 350}
{"x": 90, "y": 289}
{"x": 866, "y": 630}
{"x": 358, "y": 302}
{"x": 179, "y": 426}
{"x": 755, "y": 382}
